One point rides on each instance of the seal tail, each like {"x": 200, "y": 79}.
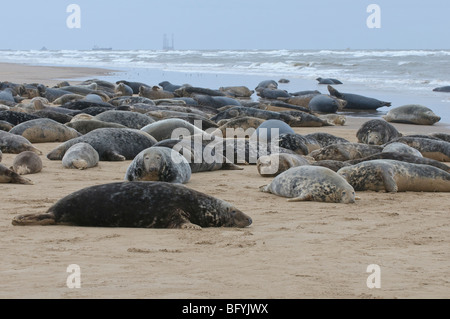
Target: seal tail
{"x": 34, "y": 219}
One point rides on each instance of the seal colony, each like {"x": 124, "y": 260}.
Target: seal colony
{"x": 163, "y": 131}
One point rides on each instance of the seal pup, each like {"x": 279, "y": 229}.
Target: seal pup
{"x": 159, "y": 164}
{"x": 9, "y": 176}
{"x": 311, "y": 183}
{"x": 396, "y": 176}
{"x": 412, "y": 114}
{"x": 377, "y": 132}
{"x": 81, "y": 155}
{"x": 139, "y": 204}
{"x": 27, "y": 163}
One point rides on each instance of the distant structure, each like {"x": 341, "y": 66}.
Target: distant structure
{"x": 166, "y": 45}
{"x": 97, "y": 48}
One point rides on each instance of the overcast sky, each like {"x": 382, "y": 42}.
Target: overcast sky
{"x": 226, "y": 24}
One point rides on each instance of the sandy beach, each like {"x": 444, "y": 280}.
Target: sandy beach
{"x": 292, "y": 250}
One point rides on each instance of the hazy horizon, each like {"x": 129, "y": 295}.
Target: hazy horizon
{"x": 230, "y": 25}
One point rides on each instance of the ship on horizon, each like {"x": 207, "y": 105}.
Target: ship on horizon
{"x": 97, "y": 48}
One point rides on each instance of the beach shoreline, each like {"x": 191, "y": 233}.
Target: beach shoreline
{"x": 293, "y": 250}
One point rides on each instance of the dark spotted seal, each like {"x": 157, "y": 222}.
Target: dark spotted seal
{"x": 377, "y": 132}
{"x": 159, "y": 164}
{"x": 432, "y": 148}
{"x": 311, "y": 183}
{"x": 112, "y": 144}
{"x": 139, "y": 204}
{"x": 345, "y": 152}
{"x": 27, "y": 163}
{"x": 396, "y": 176}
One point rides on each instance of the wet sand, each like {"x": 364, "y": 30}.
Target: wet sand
{"x": 292, "y": 249}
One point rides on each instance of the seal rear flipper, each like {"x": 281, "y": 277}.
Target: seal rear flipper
{"x": 15, "y": 178}
{"x": 231, "y": 166}
{"x": 178, "y": 219}
{"x": 301, "y": 198}
{"x": 113, "y": 156}
{"x": 389, "y": 182}
{"x": 34, "y": 219}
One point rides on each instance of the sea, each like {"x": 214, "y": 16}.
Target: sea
{"x": 397, "y": 76}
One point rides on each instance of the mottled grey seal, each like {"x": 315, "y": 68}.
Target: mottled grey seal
{"x": 266, "y": 84}
{"x": 66, "y": 98}
{"x": 27, "y": 163}
{"x": 401, "y": 148}
{"x": 241, "y": 123}
{"x": 311, "y": 183}
{"x": 359, "y": 102}
{"x": 5, "y": 126}
{"x": 159, "y": 164}
{"x": 396, "y": 176}
{"x": 331, "y": 164}
{"x": 276, "y": 163}
{"x": 112, "y": 144}
{"x": 81, "y": 156}
{"x": 334, "y": 119}
{"x": 16, "y": 117}
{"x": 292, "y": 141}
{"x": 44, "y": 130}
{"x": 9, "y": 176}
{"x": 129, "y": 119}
{"x": 86, "y": 126}
{"x": 402, "y": 157}
{"x": 377, "y": 132}
{"x": 215, "y": 101}
{"x": 431, "y": 148}
{"x": 237, "y": 91}
{"x": 155, "y": 93}
{"x": 139, "y": 204}
{"x": 273, "y": 93}
{"x": 345, "y": 152}
{"x": 325, "y": 139}
{"x": 412, "y": 114}
{"x": 15, "y": 144}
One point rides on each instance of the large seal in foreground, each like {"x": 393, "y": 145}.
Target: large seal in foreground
{"x": 159, "y": 164}
{"x": 412, "y": 114}
{"x": 139, "y": 204}
{"x": 396, "y": 176}
{"x": 377, "y": 132}
{"x": 315, "y": 183}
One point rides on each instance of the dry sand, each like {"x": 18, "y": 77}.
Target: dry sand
{"x": 292, "y": 250}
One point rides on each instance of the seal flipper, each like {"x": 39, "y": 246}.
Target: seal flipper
{"x": 388, "y": 180}
{"x": 334, "y": 92}
{"x": 301, "y": 198}
{"x": 179, "y": 219}
{"x": 231, "y": 166}
{"x": 34, "y": 219}
{"x": 113, "y": 156}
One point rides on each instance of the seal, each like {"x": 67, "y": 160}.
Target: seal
{"x": 345, "y": 152}
{"x": 123, "y": 90}
{"x": 9, "y": 176}
{"x": 139, "y": 204}
{"x": 326, "y": 104}
{"x": 273, "y": 93}
{"x": 292, "y": 141}
{"x": 81, "y": 156}
{"x": 27, "y": 163}
{"x": 396, "y": 176}
{"x": 155, "y": 93}
{"x": 325, "y": 139}
{"x": 334, "y": 119}
{"x": 328, "y": 81}
{"x": 311, "y": 183}
{"x": 268, "y": 128}
{"x": 112, "y": 144}
{"x": 15, "y": 144}
{"x": 53, "y": 115}
{"x": 134, "y": 85}
{"x": 129, "y": 119}
{"x": 215, "y": 101}
{"x": 44, "y": 130}
{"x": 86, "y": 126}
{"x": 359, "y": 102}
{"x": 442, "y": 89}
{"x": 402, "y": 148}
{"x": 435, "y": 149}
{"x": 274, "y": 164}
{"x": 171, "y": 128}
{"x": 237, "y": 91}
{"x": 159, "y": 164}
{"x": 331, "y": 164}
{"x": 377, "y": 132}
{"x": 233, "y": 125}
{"x": 412, "y": 114}
{"x": 5, "y": 126}
{"x": 16, "y": 118}
{"x": 167, "y": 86}
{"x": 266, "y": 84}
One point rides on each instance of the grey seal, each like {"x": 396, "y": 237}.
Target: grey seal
{"x": 314, "y": 183}
{"x": 432, "y": 148}
{"x": 129, "y": 119}
{"x": 27, "y": 163}
{"x": 276, "y": 163}
{"x": 377, "y": 132}
{"x": 81, "y": 156}
{"x": 323, "y": 103}
{"x": 345, "y": 152}
{"x": 396, "y": 176}
{"x": 401, "y": 148}
{"x": 112, "y": 144}
{"x": 15, "y": 144}
{"x": 44, "y": 131}
{"x": 159, "y": 164}
{"x": 86, "y": 126}
{"x": 328, "y": 81}
{"x": 9, "y": 176}
{"x": 139, "y": 204}
{"x": 269, "y": 127}
{"x": 356, "y": 101}
{"x": 412, "y": 114}
{"x": 168, "y": 128}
